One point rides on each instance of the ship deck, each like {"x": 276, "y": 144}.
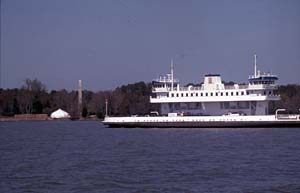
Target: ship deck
{"x": 204, "y": 121}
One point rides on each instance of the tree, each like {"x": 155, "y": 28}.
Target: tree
{"x": 16, "y": 108}
{"x": 84, "y": 112}
{"x": 34, "y": 85}
{"x": 37, "y": 106}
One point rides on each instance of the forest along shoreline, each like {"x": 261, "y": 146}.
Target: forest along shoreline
{"x": 33, "y": 102}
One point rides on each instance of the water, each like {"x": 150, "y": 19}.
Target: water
{"x": 66, "y": 156}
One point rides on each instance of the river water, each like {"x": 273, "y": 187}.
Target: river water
{"x": 82, "y": 156}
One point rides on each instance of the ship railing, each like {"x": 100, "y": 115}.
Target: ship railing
{"x": 262, "y": 74}
{"x": 190, "y": 88}
{"x": 288, "y": 116}
{"x": 161, "y": 89}
{"x": 227, "y": 87}
{"x": 166, "y": 80}
{"x": 233, "y": 87}
{"x": 197, "y": 88}
{"x": 262, "y": 86}
{"x": 285, "y": 116}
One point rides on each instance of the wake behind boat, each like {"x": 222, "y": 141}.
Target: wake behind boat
{"x": 212, "y": 104}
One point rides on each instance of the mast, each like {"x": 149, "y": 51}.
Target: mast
{"x": 255, "y": 66}
{"x": 172, "y": 75}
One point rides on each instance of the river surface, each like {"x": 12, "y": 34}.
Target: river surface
{"x": 83, "y": 157}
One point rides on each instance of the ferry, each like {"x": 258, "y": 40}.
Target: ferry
{"x": 212, "y": 104}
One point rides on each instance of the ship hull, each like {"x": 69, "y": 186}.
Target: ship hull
{"x": 202, "y": 122}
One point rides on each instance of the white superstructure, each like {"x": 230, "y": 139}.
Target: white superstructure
{"x": 213, "y": 97}
{"x": 211, "y": 104}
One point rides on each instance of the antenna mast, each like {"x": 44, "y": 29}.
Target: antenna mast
{"x": 255, "y": 66}
{"x": 172, "y": 75}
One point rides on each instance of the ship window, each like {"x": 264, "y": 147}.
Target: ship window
{"x": 177, "y": 95}
{"x": 206, "y": 94}
{"x": 242, "y": 93}
{"x": 216, "y": 94}
{"x": 226, "y": 105}
{"x": 226, "y": 93}
{"x": 172, "y": 95}
{"x": 221, "y": 94}
{"x": 199, "y": 105}
{"x": 201, "y": 94}
{"x": 243, "y": 104}
{"x": 211, "y": 94}
{"x": 231, "y": 93}
{"x": 187, "y": 94}
{"x": 192, "y": 94}
{"x": 264, "y": 92}
{"x": 181, "y": 94}
{"x": 237, "y": 93}
{"x": 196, "y": 94}
{"x": 247, "y": 93}
{"x": 270, "y": 92}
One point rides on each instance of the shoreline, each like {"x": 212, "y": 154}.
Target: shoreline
{"x": 41, "y": 117}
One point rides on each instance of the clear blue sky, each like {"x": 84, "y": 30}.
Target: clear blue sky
{"x": 107, "y": 43}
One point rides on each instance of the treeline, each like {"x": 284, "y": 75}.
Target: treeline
{"x": 33, "y": 98}
{"x": 290, "y": 99}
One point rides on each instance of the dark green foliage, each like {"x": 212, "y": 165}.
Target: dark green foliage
{"x": 100, "y": 114}
{"x": 84, "y": 112}
{"x": 135, "y": 99}
{"x": 37, "y": 107}
{"x": 16, "y": 108}
{"x": 33, "y": 98}
{"x": 290, "y": 99}
{"x": 290, "y": 90}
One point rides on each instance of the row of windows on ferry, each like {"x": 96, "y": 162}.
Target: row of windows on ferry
{"x": 263, "y": 82}
{"x": 237, "y": 93}
{"x": 200, "y": 106}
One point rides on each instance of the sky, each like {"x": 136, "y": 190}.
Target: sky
{"x": 109, "y": 43}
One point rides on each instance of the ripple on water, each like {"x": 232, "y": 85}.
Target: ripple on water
{"x": 87, "y": 157}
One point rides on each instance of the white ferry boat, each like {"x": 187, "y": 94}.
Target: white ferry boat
{"x": 212, "y": 104}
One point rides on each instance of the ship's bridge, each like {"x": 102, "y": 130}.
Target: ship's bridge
{"x": 261, "y": 80}
{"x": 264, "y": 78}
{"x": 164, "y": 84}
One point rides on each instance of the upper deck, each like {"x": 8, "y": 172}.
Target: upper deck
{"x": 226, "y": 87}
{"x": 260, "y": 87}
